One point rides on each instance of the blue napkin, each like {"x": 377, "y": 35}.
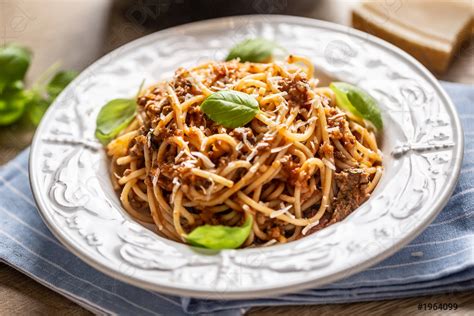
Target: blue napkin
{"x": 440, "y": 260}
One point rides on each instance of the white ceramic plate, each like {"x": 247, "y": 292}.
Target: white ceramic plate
{"x": 422, "y": 146}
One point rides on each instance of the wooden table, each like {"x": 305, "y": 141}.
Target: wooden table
{"x": 77, "y": 32}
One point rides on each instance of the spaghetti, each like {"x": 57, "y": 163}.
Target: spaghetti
{"x": 300, "y": 165}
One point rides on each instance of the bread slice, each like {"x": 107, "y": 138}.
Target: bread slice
{"x": 431, "y": 31}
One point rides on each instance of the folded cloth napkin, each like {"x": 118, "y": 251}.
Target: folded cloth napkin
{"x": 440, "y": 260}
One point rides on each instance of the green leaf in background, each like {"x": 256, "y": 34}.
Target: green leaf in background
{"x": 39, "y": 103}
{"x": 59, "y": 82}
{"x": 257, "y": 50}
{"x": 14, "y": 62}
{"x": 358, "y": 102}
{"x": 113, "y": 118}
{"x": 219, "y": 236}
{"x": 13, "y": 101}
{"x": 36, "y": 109}
{"x": 230, "y": 108}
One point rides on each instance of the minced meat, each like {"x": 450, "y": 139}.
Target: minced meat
{"x": 352, "y": 184}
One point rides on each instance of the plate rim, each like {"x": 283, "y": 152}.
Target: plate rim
{"x": 442, "y": 200}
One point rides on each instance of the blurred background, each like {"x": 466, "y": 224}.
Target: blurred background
{"x": 78, "y": 32}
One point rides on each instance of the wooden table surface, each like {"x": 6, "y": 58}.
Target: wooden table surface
{"x": 77, "y": 32}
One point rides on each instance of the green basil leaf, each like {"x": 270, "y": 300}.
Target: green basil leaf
{"x": 113, "y": 118}
{"x": 357, "y": 101}
{"x": 14, "y": 62}
{"x": 59, "y": 82}
{"x": 36, "y": 108}
{"x": 13, "y": 101}
{"x": 255, "y": 50}
{"x": 16, "y": 85}
{"x": 219, "y": 236}
{"x": 230, "y": 108}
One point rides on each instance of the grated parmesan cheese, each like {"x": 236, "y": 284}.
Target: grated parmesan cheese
{"x": 277, "y": 149}
{"x": 148, "y": 137}
{"x": 311, "y": 108}
{"x": 283, "y": 210}
{"x": 176, "y": 186}
{"x": 308, "y": 227}
{"x": 210, "y": 189}
{"x": 269, "y": 243}
{"x": 268, "y": 136}
{"x": 255, "y": 150}
{"x": 203, "y": 189}
{"x": 332, "y": 129}
{"x": 304, "y": 123}
{"x": 155, "y": 177}
{"x": 336, "y": 116}
{"x": 179, "y": 155}
{"x": 189, "y": 163}
{"x": 328, "y": 163}
{"x": 205, "y": 160}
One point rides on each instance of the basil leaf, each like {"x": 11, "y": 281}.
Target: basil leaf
{"x": 357, "y": 101}
{"x": 13, "y": 101}
{"x": 219, "y": 236}
{"x": 113, "y": 118}
{"x": 255, "y": 50}
{"x": 59, "y": 82}
{"x": 14, "y": 62}
{"x": 230, "y": 108}
{"x": 36, "y": 109}
{"x": 40, "y": 103}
